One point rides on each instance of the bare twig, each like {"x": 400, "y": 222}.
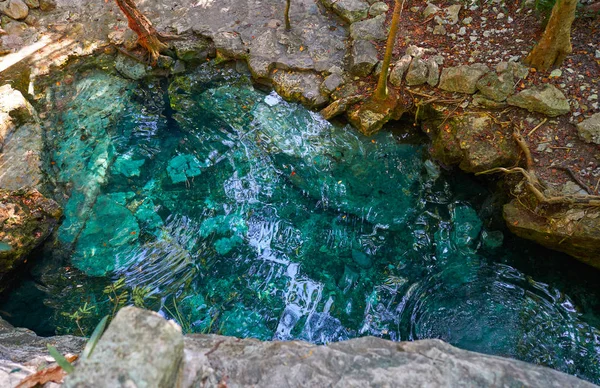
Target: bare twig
{"x": 537, "y": 126}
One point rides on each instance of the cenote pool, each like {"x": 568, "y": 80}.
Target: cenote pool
{"x": 235, "y": 212}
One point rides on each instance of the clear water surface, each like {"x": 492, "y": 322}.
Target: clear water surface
{"x": 235, "y": 212}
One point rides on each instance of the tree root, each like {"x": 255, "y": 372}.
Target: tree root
{"x": 534, "y": 185}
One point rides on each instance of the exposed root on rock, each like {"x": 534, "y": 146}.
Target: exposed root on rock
{"x": 534, "y": 185}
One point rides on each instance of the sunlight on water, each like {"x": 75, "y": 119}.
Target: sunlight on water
{"x": 246, "y": 215}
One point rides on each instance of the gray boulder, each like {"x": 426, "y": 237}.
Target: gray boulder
{"x": 301, "y": 86}
{"x": 130, "y": 68}
{"x": 230, "y": 45}
{"x": 351, "y": 10}
{"x": 370, "y": 29}
{"x": 139, "y": 349}
{"x": 433, "y": 69}
{"x": 417, "y": 72}
{"x": 364, "y": 58}
{"x": 21, "y": 142}
{"x": 16, "y": 9}
{"x": 589, "y": 129}
{"x": 546, "y": 99}
{"x": 496, "y": 87}
{"x": 399, "y": 69}
{"x": 331, "y": 82}
{"x": 378, "y": 8}
{"x": 462, "y": 79}
{"x": 361, "y": 362}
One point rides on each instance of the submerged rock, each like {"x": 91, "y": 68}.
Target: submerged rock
{"x": 546, "y": 99}
{"x": 26, "y": 219}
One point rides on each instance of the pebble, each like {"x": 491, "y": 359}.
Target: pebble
{"x": 597, "y": 53}
{"x": 469, "y": 19}
{"x": 500, "y": 16}
{"x": 556, "y": 73}
{"x": 462, "y": 31}
{"x": 593, "y": 97}
{"x": 509, "y": 20}
{"x": 487, "y": 33}
{"x": 473, "y": 38}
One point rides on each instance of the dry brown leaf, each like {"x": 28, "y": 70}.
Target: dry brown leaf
{"x": 55, "y": 374}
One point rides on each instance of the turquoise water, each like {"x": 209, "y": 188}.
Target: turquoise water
{"x": 235, "y": 212}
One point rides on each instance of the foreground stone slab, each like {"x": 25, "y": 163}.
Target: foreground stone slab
{"x": 211, "y": 360}
{"x": 139, "y": 349}
{"x": 547, "y": 100}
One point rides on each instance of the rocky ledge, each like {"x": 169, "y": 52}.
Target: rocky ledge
{"x": 141, "y": 349}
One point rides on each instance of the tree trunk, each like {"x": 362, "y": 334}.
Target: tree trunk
{"x": 555, "y": 44}
{"x": 148, "y": 37}
{"x": 288, "y": 26}
{"x": 381, "y": 91}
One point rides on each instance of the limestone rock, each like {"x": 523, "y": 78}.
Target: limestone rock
{"x": 331, "y": 82}
{"x": 364, "y": 58}
{"x": 22, "y": 352}
{"x": 431, "y": 9}
{"x": 433, "y": 71}
{"x": 565, "y": 229}
{"x": 194, "y": 50}
{"x": 300, "y": 86}
{"x": 465, "y": 140}
{"x": 589, "y": 129}
{"x": 372, "y": 115}
{"x": 417, "y": 72}
{"x": 230, "y": 45}
{"x": 139, "y": 349}
{"x": 439, "y": 30}
{"x": 47, "y": 5}
{"x": 370, "y": 29}
{"x": 399, "y": 69}
{"x": 480, "y": 100}
{"x": 351, "y": 10}
{"x": 452, "y": 13}
{"x": 340, "y": 106}
{"x": 359, "y": 362}
{"x": 21, "y": 143}
{"x": 518, "y": 70}
{"x": 379, "y": 8}
{"x": 130, "y": 68}
{"x": 496, "y": 87}
{"x": 32, "y": 3}
{"x": 27, "y": 218}
{"x": 16, "y": 9}
{"x": 546, "y": 99}
{"x": 462, "y": 79}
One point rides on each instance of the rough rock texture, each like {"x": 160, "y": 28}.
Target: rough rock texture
{"x": 570, "y": 230}
{"x": 26, "y": 219}
{"x": 16, "y": 9}
{"x": 340, "y": 106}
{"x": 351, "y": 10}
{"x": 372, "y": 115}
{"x": 364, "y": 58}
{"x": 130, "y": 68}
{"x": 360, "y": 362}
{"x": 300, "y": 86}
{"x": 547, "y": 100}
{"x": 22, "y": 352}
{"x": 417, "y": 72}
{"x": 370, "y": 29}
{"x": 20, "y": 141}
{"x": 139, "y": 349}
{"x": 589, "y": 129}
{"x": 496, "y": 87}
{"x": 472, "y": 141}
{"x": 462, "y": 79}
{"x": 399, "y": 69}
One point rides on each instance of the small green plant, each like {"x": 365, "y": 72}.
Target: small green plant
{"x": 82, "y": 312}
{"x": 117, "y": 295}
{"x": 87, "y": 351}
{"x": 139, "y": 295}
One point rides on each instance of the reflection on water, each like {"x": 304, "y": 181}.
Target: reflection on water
{"x": 245, "y": 215}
